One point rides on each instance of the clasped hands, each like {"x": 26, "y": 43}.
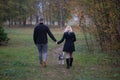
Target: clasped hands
{"x": 56, "y": 42}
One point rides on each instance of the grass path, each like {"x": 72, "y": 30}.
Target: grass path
{"x": 54, "y": 71}
{"x": 19, "y": 60}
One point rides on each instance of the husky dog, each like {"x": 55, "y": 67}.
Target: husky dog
{"x": 61, "y": 58}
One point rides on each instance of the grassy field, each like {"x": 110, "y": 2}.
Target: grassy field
{"x": 19, "y": 60}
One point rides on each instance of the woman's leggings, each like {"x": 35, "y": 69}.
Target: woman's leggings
{"x": 68, "y": 55}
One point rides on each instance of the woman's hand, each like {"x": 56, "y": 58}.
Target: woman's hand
{"x": 56, "y": 42}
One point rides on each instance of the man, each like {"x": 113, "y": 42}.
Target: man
{"x": 41, "y": 41}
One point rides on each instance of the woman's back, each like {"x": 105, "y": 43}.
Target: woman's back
{"x": 69, "y": 36}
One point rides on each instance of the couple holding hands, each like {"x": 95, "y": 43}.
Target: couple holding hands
{"x": 41, "y": 41}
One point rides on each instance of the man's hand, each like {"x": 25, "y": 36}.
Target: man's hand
{"x": 56, "y": 42}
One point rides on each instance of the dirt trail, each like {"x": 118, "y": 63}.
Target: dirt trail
{"x": 54, "y": 71}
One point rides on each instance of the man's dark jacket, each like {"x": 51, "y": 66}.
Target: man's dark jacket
{"x": 40, "y": 34}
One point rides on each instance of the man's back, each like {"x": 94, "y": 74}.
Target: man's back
{"x": 40, "y": 34}
{"x": 40, "y": 40}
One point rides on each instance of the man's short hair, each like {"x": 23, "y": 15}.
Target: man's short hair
{"x": 41, "y": 19}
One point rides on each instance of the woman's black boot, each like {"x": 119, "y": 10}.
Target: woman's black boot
{"x": 68, "y": 63}
{"x": 71, "y": 61}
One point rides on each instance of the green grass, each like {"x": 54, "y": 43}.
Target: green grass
{"x": 19, "y": 60}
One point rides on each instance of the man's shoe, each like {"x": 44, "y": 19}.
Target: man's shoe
{"x": 44, "y": 64}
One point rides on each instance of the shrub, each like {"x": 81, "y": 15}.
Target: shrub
{"x": 3, "y": 37}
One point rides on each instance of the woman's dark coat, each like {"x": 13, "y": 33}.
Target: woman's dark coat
{"x": 69, "y": 38}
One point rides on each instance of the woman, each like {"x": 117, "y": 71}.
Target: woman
{"x": 69, "y": 37}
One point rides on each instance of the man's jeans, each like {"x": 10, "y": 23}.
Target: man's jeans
{"x": 42, "y": 50}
